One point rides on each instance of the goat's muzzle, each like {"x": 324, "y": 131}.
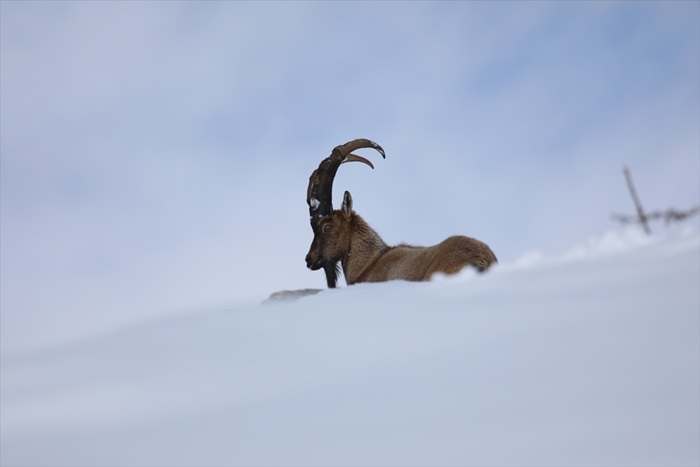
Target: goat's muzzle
{"x": 313, "y": 265}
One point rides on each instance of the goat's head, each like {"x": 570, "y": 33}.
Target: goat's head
{"x": 332, "y": 228}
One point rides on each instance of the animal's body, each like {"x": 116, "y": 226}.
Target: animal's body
{"x": 342, "y": 237}
{"x": 418, "y": 263}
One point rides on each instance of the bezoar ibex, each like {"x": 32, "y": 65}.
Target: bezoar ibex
{"x": 343, "y": 237}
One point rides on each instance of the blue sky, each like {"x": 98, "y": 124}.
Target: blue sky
{"x": 155, "y": 155}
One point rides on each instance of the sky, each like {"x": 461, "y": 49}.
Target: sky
{"x": 154, "y": 156}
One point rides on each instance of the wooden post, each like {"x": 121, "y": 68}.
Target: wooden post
{"x": 640, "y": 211}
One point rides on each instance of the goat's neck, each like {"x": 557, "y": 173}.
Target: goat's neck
{"x": 366, "y": 246}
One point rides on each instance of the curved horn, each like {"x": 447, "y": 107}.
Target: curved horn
{"x": 319, "y": 194}
{"x": 356, "y": 158}
{"x": 348, "y": 147}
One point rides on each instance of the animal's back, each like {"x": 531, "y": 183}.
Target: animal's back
{"x": 403, "y": 262}
{"x": 455, "y": 253}
{"x": 414, "y": 263}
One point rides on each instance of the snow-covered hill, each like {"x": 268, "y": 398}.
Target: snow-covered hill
{"x": 592, "y": 358}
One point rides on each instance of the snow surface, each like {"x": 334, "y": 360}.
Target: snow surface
{"x": 591, "y": 358}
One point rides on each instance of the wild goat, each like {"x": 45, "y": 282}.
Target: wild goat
{"x": 342, "y": 236}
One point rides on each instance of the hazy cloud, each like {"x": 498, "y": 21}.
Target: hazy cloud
{"x": 155, "y": 155}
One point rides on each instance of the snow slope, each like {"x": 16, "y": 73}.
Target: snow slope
{"x": 592, "y": 358}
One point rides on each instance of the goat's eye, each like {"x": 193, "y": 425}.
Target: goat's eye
{"x": 327, "y": 228}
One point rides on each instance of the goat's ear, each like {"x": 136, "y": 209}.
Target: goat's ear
{"x": 346, "y": 208}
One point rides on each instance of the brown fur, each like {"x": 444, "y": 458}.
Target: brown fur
{"x": 343, "y": 236}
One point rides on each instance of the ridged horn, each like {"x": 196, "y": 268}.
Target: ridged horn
{"x": 319, "y": 194}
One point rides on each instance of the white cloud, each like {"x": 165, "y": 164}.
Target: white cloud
{"x": 147, "y": 147}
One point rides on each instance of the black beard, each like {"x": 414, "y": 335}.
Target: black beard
{"x": 332, "y": 270}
